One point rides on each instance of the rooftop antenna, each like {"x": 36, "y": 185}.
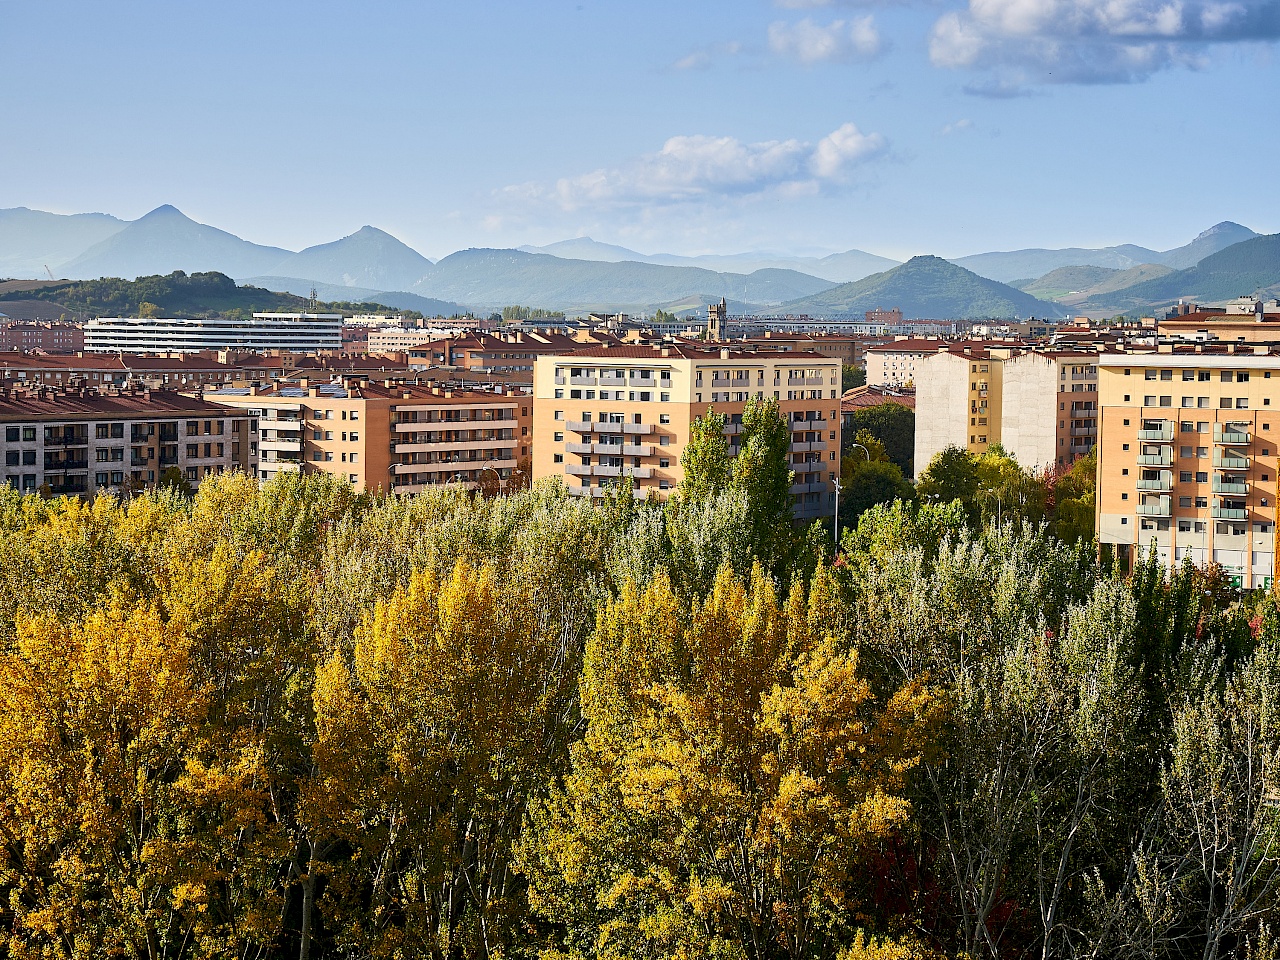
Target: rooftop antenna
{"x": 313, "y": 305}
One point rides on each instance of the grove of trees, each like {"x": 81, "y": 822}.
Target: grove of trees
{"x": 286, "y": 720}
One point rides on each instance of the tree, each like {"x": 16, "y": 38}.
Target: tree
{"x": 851, "y": 376}
{"x": 736, "y": 777}
{"x": 171, "y": 478}
{"x": 951, "y": 475}
{"x": 894, "y": 425}
{"x": 705, "y": 460}
{"x": 863, "y": 484}
{"x": 762, "y": 471}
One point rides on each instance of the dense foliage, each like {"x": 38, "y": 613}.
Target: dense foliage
{"x": 286, "y": 720}
{"x": 181, "y": 295}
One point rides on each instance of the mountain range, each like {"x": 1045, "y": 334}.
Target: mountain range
{"x": 927, "y": 287}
{"x": 581, "y": 274}
{"x": 1008, "y": 266}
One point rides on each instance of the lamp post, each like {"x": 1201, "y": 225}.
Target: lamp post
{"x": 835, "y": 526}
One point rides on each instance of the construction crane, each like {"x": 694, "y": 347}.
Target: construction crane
{"x": 49, "y": 272}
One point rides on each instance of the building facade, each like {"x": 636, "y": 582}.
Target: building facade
{"x": 299, "y": 332}
{"x": 612, "y": 411}
{"x": 86, "y": 442}
{"x": 1187, "y": 457}
{"x": 47, "y": 336}
{"x": 389, "y": 436}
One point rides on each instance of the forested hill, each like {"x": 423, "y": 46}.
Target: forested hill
{"x": 179, "y": 295}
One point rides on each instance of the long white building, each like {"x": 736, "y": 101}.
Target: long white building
{"x": 299, "y": 332}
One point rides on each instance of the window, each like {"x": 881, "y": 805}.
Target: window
{"x": 1226, "y": 376}
{"x": 1188, "y": 401}
{"x": 1149, "y": 374}
{"x": 11, "y": 434}
{"x": 193, "y": 428}
{"x": 1185, "y": 452}
{"x": 355, "y": 414}
{"x": 355, "y": 436}
{"x": 1184, "y": 502}
{"x": 1149, "y": 400}
{"x": 664, "y": 418}
{"x": 559, "y": 394}
{"x": 557, "y": 458}
{"x": 193, "y": 450}
{"x": 1166, "y": 401}
{"x": 1202, "y": 502}
{"x": 1242, "y": 403}
{"x": 328, "y": 434}
{"x": 1184, "y": 476}
{"x": 355, "y": 458}
{"x": 664, "y": 461}
{"x": 558, "y": 437}
{"x": 11, "y": 458}
{"x": 102, "y": 431}
{"x": 101, "y": 479}
{"x": 559, "y": 415}
{"x": 102, "y": 456}
{"x": 1202, "y": 452}
{"x": 28, "y": 434}
{"x": 1166, "y": 374}
{"x": 1202, "y": 476}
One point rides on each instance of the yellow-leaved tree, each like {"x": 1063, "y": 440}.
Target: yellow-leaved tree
{"x": 736, "y": 776}
{"x": 123, "y": 816}
{"x": 455, "y": 706}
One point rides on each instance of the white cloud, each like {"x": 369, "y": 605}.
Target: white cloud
{"x": 1091, "y": 41}
{"x": 811, "y": 42}
{"x": 696, "y": 168}
{"x": 702, "y": 58}
{"x": 958, "y": 127}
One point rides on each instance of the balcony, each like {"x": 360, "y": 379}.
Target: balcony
{"x": 583, "y": 381}
{"x": 612, "y": 449}
{"x": 1162, "y": 459}
{"x": 1224, "y": 485}
{"x": 79, "y": 440}
{"x": 73, "y": 485}
{"x": 1223, "y": 512}
{"x": 606, "y": 380}
{"x": 579, "y": 447}
{"x": 1089, "y": 432}
{"x": 1162, "y": 484}
{"x": 64, "y": 465}
{"x": 1229, "y": 461}
{"x": 289, "y": 444}
{"x": 580, "y": 426}
{"x": 637, "y": 429}
{"x": 637, "y": 450}
{"x": 606, "y": 471}
{"x": 799, "y": 488}
{"x": 1161, "y": 507}
{"x": 640, "y": 473}
{"x": 559, "y": 380}
{"x": 577, "y": 470}
{"x": 1156, "y": 430}
{"x": 1222, "y": 433}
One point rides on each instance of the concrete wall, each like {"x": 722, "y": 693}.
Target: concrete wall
{"x": 1029, "y": 409}
{"x": 942, "y": 406}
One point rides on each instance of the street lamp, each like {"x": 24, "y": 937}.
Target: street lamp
{"x": 835, "y": 526}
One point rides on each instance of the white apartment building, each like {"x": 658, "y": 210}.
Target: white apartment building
{"x": 297, "y": 332}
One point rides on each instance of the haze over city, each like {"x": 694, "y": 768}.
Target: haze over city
{"x": 800, "y": 127}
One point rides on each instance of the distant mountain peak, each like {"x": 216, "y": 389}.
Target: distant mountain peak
{"x": 1226, "y": 226}
{"x": 164, "y": 210}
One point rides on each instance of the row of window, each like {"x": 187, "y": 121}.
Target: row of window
{"x": 1202, "y": 403}
{"x": 1203, "y": 376}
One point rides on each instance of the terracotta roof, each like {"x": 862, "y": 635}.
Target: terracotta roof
{"x": 30, "y": 405}
{"x": 859, "y": 398}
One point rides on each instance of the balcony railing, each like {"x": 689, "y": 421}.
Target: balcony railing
{"x": 1229, "y": 513}
{"x": 1225, "y": 435}
{"x": 1229, "y": 486}
{"x": 1163, "y": 485}
{"x": 1162, "y": 432}
{"x": 1162, "y": 459}
{"x": 1227, "y": 461}
{"x": 1160, "y": 508}
{"x": 578, "y": 447}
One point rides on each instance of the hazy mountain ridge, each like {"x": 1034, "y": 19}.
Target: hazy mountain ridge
{"x": 1068, "y": 285}
{"x": 931, "y": 287}
{"x": 837, "y": 267}
{"x": 488, "y": 279}
{"x": 1249, "y": 268}
{"x": 1010, "y": 265}
{"x": 31, "y": 240}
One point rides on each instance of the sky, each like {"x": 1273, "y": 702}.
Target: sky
{"x": 801, "y": 127}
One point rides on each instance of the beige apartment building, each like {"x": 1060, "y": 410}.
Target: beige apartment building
{"x": 388, "y": 436}
{"x": 1041, "y": 406}
{"x": 85, "y": 442}
{"x": 1187, "y": 457}
{"x": 605, "y": 412}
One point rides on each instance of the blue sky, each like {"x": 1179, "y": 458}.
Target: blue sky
{"x": 800, "y": 126}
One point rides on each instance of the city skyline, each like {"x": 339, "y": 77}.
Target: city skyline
{"x": 799, "y": 127}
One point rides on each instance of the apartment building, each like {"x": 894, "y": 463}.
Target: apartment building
{"x": 85, "y": 442}
{"x": 175, "y": 371}
{"x": 376, "y": 435}
{"x": 49, "y": 336}
{"x": 895, "y": 363}
{"x": 605, "y": 412}
{"x": 1187, "y": 457}
{"x": 302, "y": 332}
{"x": 1040, "y": 405}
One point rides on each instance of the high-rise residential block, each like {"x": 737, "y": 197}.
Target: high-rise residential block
{"x": 611, "y": 411}
{"x": 1187, "y": 457}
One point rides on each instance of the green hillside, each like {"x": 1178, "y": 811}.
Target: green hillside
{"x": 178, "y": 295}
{"x": 1072, "y": 284}
{"x": 927, "y": 287}
{"x": 1243, "y": 269}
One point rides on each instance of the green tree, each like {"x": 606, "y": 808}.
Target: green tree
{"x": 851, "y": 376}
{"x": 705, "y": 460}
{"x": 951, "y": 475}
{"x": 864, "y": 484}
{"x": 762, "y": 471}
{"x": 894, "y": 425}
